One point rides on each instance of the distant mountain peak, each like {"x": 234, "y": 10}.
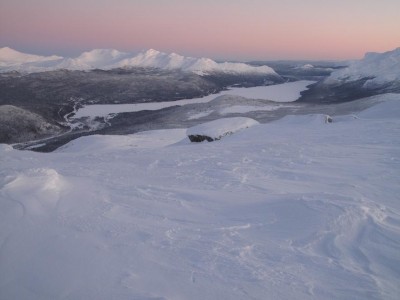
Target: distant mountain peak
{"x": 9, "y": 57}
{"x": 152, "y": 52}
{"x": 5, "y": 50}
{"x": 111, "y": 58}
{"x": 379, "y": 68}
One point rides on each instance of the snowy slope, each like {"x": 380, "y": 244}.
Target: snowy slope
{"x": 380, "y": 67}
{"x": 110, "y": 58}
{"x": 295, "y": 209}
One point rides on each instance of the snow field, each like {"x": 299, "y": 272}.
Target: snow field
{"x": 294, "y": 209}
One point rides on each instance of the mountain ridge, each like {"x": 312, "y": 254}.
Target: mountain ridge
{"x": 9, "y": 56}
{"x": 12, "y": 60}
{"x": 377, "y": 68}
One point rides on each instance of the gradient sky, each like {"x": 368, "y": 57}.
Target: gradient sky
{"x": 220, "y": 29}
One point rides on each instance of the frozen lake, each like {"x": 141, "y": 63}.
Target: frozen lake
{"x": 286, "y": 92}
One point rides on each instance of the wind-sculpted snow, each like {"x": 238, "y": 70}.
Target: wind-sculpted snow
{"x": 378, "y": 68}
{"x": 107, "y": 59}
{"x": 293, "y": 209}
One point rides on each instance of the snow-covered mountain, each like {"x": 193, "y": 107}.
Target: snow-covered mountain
{"x": 95, "y": 59}
{"x": 156, "y": 59}
{"x": 380, "y": 68}
{"x": 109, "y": 58}
{"x": 10, "y": 58}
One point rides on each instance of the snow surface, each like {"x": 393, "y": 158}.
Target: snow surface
{"x": 285, "y": 92}
{"x": 380, "y": 67}
{"x": 222, "y": 127}
{"x": 110, "y": 58}
{"x": 107, "y": 143}
{"x": 294, "y": 209}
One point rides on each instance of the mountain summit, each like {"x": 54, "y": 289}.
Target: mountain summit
{"x": 10, "y": 57}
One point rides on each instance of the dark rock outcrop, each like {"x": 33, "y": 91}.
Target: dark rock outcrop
{"x": 200, "y": 138}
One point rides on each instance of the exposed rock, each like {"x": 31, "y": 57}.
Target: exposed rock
{"x": 197, "y": 138}
{"x": 328, "y": 119}
{"x": 217, "y": 129}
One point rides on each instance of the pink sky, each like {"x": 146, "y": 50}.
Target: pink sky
{"x": 221, "y": 29}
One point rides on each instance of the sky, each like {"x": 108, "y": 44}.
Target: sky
{"x": 219, "y": 29}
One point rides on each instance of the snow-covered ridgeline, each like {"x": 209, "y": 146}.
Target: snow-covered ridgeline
{"x": 381, "y": 68}
{"x": 109, "y": 58}
{"x": 10, "y": 58}
{"x": 294, "y": 209}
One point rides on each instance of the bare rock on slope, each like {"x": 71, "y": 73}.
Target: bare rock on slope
{"x": 20, "y": 125}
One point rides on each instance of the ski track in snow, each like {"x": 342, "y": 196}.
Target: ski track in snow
{"x": 294, "y": 209}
